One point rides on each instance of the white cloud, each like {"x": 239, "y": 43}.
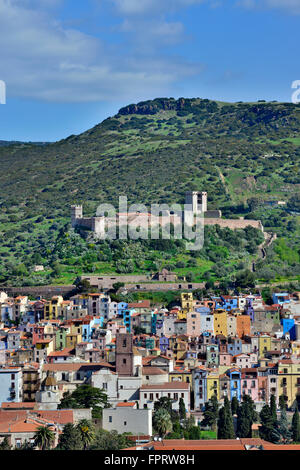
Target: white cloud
{"x": 290, "y": 6}
{"x": 136, "y": 7}
{"x": 40, "y": 59}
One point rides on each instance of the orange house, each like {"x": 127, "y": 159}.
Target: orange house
{"x": 243, "y": 325}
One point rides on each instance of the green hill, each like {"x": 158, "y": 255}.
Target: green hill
{"x": 242, "y": 154}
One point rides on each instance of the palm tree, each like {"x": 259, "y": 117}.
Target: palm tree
{"x": 87, "y": 432}
{"x": 162, "y": 422}
{"x": 44, "y": 438}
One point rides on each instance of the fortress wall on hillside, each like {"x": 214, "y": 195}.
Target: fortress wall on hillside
{"x": 85, "y": 222}
{"x": 235, "y": 224}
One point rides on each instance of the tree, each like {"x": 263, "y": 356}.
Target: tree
{"x": 70, "y": 439}
{"x": 211, "y": 413}
{"x": 225, "y": 424}
{"x": 165, "y": 403}
{"x": 162, "y": 422}
{"x": 268, "y": 428}
{"x": 234, "y": 405}
{"x": 87, "y": 432}
{"x": 105, "y": 440}
{"x": 283, "y": 402}
{"x": 182, "y": 410}
{"x": 117, "y": 286}
{"x": 44, "y": 438}
{"x": 194, "y": 433}
{"x": 273, "y": 407}
{"x": 5, "y": 444}
{"x": 296, "y": 426}
{"x": 246, "y": 417}
{"x": 177, "y": 432}
{"x": 86, "y": 397}
{"x": 283, "y": 428}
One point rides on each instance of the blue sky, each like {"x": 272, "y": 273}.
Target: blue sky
{"x": 68, "y": 64}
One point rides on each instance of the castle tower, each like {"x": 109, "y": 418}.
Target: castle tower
{"x": 198, "y": 200}
{"x": 76, "y": 213}
{"x": 203, "y": 201}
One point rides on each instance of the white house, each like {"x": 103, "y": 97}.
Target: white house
{"x": 125, "y": 417}
{"x": 149, "y": 394}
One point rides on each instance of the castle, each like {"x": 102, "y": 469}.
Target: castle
{"x": 195, "y": 203}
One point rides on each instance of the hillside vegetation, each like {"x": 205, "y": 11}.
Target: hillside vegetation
{"x": 243, "y": 154}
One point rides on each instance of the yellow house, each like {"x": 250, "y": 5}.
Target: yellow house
{"x": 213, "y": 385}
{"x": 289, "y": 381}
{"x": 42, "y": 349}
{"x": 72, "y": 340}
{"x": 52, "y": 308}
{"x": 186, "y": 303}
{"x": 181, "y": 376}
{"x": 182, "y": 315}
{"x": 220, "y": 323}
{"x": 295, "y": 348}
{"x": 179, "y": 347}
{"x": 264, "y": 344}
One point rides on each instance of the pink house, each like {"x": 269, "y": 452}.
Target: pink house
{"x": 225, "y": 359}
{"x": 193, "y": 324}
{"x": 249, "y": 383}
{"x": 242, "y": 361}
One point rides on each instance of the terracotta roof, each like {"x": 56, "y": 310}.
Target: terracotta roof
{"x": 153, "y": 371}
{"x": 143, "y": 304}
{"x": 64, "y": 352}
{"x": 74, "y": 366}
{"x": 19, "y": 406}
{"x": 126, "y": 404}
{"x": 58, "y": 416}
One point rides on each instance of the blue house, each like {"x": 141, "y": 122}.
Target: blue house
{"x": 88, "y": 328}
{"x": 127, "y": 319}
{"x": 227, "y": 302}
{"x": 234, "y": 346}
{"x": 289, "y": 327}
{"x": 281, "y": 298}
{"x": 235, "y": 383}
{"x": 163, "y": 344}
{"x": 122, "y": 307}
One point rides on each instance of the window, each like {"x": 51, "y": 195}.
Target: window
{"x": 110, "y": 419}
{"x": 125, "y": 423}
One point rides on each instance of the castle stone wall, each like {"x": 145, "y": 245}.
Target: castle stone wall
{"x": 235, "y": 224}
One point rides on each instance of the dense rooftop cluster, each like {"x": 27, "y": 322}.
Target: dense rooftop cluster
{"x": 137, "y": 355}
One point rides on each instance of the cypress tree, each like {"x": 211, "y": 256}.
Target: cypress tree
{"x": 282, "y": 402}
{"x": 296, "y": 426}
{"x": 182, "y": 410}
{"x": 234, "y": 406}
{"x": 225, "y": 423}
{"x": 211, "y": 413}
{"x": 273, "y": 408}
{"x": 268, "y": 429}
{"x": 283, "y": 428}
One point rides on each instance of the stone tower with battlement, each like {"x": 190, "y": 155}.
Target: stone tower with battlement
{"x": 198, "y": 201}
{"x": 76, "y": 214}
